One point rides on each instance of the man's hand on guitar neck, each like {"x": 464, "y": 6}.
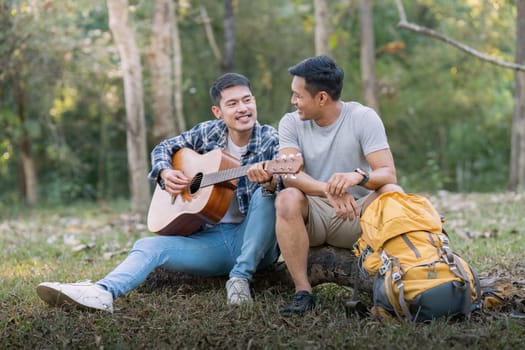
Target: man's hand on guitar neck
{"x": 257, "y": 173}
{"x": 265, "y": 173}
{"x": 174, "y": 181}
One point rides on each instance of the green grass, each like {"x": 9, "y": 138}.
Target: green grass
{"x": 86, "y": 241}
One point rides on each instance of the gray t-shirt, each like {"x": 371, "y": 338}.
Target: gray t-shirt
{"x": 338, "y": 147}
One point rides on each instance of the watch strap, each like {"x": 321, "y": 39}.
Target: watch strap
{"x": 365, "y": 175}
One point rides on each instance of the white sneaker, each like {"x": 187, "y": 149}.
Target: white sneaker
{"x": 82, "y": 294}
{"x": 238, "y": 291}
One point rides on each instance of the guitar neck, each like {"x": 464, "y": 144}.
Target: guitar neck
{"x": 224, "y": 175}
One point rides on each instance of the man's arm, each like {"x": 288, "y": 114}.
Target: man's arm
{"x": 382, "y": 172}
{"x": 161, "y": 158}
{"x": 302, "y": 181}
{"x": 383, "y": 169}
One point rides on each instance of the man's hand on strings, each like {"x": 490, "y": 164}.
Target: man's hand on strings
{"x": 174, "y": 181}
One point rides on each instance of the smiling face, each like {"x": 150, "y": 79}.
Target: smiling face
{"x": 238, "y": 109}
{"x": 307, "y": 105}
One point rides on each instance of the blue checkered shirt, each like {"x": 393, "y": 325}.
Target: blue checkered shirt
{"x": 213, "y": 134}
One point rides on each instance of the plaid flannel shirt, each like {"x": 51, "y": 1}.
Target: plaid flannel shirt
{"x": 213, "y": 134}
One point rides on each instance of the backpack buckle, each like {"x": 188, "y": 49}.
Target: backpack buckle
{"x": 366, "y": 252}
{"x": 444, "y": 239}
{"x": 396, "y": 276}
{"x": 387, "y": 265}
{"x": 448, "y": 256}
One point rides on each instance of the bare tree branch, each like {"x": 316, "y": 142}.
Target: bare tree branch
{"x": 209, "y": 34}
{"x": 403, "y": 23}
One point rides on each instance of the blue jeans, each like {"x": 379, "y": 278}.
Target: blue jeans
{"x": 222, "y": 249}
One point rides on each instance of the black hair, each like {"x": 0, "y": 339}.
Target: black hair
{"x": 320, "y": 74}
{"x": 225, "y": 81}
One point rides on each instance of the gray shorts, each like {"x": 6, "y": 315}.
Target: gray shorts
{"x": 325, "y": 228}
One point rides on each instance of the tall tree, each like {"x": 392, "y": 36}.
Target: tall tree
{"x": 229, "y": 36}
{"x": 321, "y": 27}
{"x": 165, "y": 59}
{"x": 136, "y": 124}
{"x": 517, "y": 157}
{"x": 161, "y": 73}
{"x": 368, "y": 75}
{"x": 177, "y": 72}
{"x": 30, "y": 179}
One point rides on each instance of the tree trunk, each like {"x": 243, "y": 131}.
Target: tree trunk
{"x": 160, "y": 66}
{"x": 229, "y": 36}
{"x": 177, "y": 74}
{"x": 28, "y": 166}
{"x": 321, "y": 27}
{"x": 30, "y": 180}
{"x": 133, "y": 94}
{"x": 367, "y": 54}
{"x": 103, "y": 168}
{"x": 517, "y": 156}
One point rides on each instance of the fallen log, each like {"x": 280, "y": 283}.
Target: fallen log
{"x": 326, "y": 264}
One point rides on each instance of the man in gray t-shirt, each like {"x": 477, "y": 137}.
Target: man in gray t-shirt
{"x": 347, "y": 164}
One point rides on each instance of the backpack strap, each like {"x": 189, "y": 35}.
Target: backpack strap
{"x": 354, "y": 305}
{"x": 394, "y": 275}
{"x": 457, "y": 268}
{"x": 477, "y": 284}
{"x": 475, "y": 277}
{"x": 360, "y": 261}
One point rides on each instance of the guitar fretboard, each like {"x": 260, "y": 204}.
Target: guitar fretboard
{"x": 224, "y": 175}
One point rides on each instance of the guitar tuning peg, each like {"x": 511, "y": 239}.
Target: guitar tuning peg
{"x": 298, "y": 155}
{"x": 293, "y": 177}
{"x": 283, "y": 157}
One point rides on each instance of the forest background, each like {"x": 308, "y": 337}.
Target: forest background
{"x": 65, "y": 99}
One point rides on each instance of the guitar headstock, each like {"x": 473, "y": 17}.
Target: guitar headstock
{"x": 287, "y": 164}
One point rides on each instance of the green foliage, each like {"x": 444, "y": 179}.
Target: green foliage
{"x": 447, "y": 114}
{"x": 460, "y": 117}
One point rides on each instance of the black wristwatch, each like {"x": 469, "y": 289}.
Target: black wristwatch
{"x": 365, "y": 174}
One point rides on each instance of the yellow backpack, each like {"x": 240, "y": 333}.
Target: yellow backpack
{"x": 417, "y": 276}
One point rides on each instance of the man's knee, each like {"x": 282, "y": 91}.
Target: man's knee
{"x": 147, "y": 245}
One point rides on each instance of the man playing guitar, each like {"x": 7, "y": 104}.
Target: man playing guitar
{"x": 242, "y": 241}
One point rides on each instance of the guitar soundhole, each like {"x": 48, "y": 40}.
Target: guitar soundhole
{"x": 196, "y": 183}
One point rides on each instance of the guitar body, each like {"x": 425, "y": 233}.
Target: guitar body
{"x": 196, "y": 206}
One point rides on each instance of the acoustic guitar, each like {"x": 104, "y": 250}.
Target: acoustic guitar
{"x": 205, "y": 201}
